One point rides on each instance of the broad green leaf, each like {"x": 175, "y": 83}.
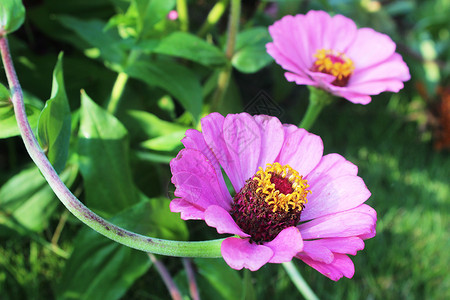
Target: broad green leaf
{"x": 226, "y": 282}
{"x": 12, "y": 15}
{"x": 102, "y": 269}
{"x": 167, "y": 142}
{"x": 103, "y": 149}
{"x": 8, "y": 123}
{"x": 251, "y": 55}
{"x": 93, "y": 32}
{"x": 150, "y": 125}
{"x": 54, "y": 124}
{"x": 4, "y": 95}
{"x": 189, "y": 46}
{"x": 27, "y": 201}
{"x": 151, "y": 12}
{"x": 176, "y": 79}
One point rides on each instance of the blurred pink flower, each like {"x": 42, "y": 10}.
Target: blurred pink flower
{"x": 288, "y": 200}
{"x": 331, "y": 53}
{"x": 172, "y": 15}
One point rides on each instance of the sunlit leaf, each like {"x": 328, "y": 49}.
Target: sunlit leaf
{"x": 250, "y": 55}
{"x": 54, "y": 123}
{"x": 103, "y": 149}
{"x": 176, "y": 79}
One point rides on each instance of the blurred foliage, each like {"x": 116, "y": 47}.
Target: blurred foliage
{"x": 148, "y": 81}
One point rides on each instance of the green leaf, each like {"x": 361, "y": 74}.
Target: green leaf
{"x": 179, "y": 81}
{"x": 8, "y": 123}
{"x": 191, "y": 47}
{"x": 151, "y": 12}
{"x": 103, "y": 149}
{"x": 54, "y": 124}
{"x": 251, "y": 55}
{"x": 12, "y": 15}
{"x": 167, "y": 142}
{"x": 102, "y": 269}
{"x": 150, "y": 126}
{"x": 4, "y": 95}
{"x": 93, "y": 32}
{"x": 27, "y": 201}
{"x": 226, "y": 282}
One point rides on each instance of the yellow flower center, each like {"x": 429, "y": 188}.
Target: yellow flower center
{"x": 284, "y": 187}
{"x": 334, "y": 63}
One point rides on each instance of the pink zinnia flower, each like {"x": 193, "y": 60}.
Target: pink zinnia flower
{"x": 288, "y": 200}
{"x": 331, "y": 53}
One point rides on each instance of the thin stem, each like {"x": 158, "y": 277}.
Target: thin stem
{"x": 165, "y": 275}
{"x": 318, "y": 99}
{"x": 233, "y": 27}
{"x": 213, "y": 17}
{"x": 193, "y": 289}
{"x": 117, "y": 91}
{"x": 299, "y": 282}
{"x": 59, "y": 228}
{"x": 183, "y": 16}
{"x": 78, "y": 209}
{"x": 224, "y": 76}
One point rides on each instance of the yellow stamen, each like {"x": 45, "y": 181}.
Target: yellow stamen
{"x": 342, "y": 66}
{"x": 294, "y": 200}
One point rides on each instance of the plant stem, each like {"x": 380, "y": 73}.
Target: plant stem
{"x": 117, "y": 91}
{"x": 183, "y": 15}
{"x": 213, "y": 17}
{"x": 224, "y": 76}
{"x": 165, "y": 275}
{"x": 78, "y": 209}
{"x": 299, "y": 282}
{"x": 318, "y": 99}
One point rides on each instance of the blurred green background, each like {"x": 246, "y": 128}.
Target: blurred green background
{"x": 167, "y": 79}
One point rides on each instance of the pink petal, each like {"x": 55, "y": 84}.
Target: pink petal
{"x": 336, "y": 195}
{"x": 272, "y": 137}
{"x": 301, "y": 150}
{"x": 243, "y": 139}
{"x": 377, "y": 87}
{"x": 212, "y": 128}
{"x": 194, "y": 140}
{"x": 188, "y": 210}
{"x": 196, "y": 180}
{"x": 330, "y": 166}
{"x": 342, "y": 265}
{"x": 339, "y": 33}
{"x": 299, "y": 79}
{"x": 219, "y": 218}
{"x": 347, "y": 245}
{"x": 318, "y": 253}
{"x": 355, "y": 222}
{"x": 369, "y": 48}
{"x": 286, "y": 245}
{"x": 354, "y": 97}
{"x": 239, "y": 253}
{"x": 286, "y": 62}
{"x": 392, "y": 68}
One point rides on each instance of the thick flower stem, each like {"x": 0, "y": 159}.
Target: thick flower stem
{"x": 80, "y": 211}
{"x": 299, "y": 282}
{"x": 318, "y": 99}
{"x": 224, "y": 76}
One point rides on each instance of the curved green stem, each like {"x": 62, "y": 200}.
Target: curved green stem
{"x": 213, "y": 17}
{"x": 80, "y": 211}
{"x": 318, "y": 99}
{"x": 299, "y": 282}
{"x": 225, "y": 74}
{"x": 117, "y": 91}
{"x": 183, "y": 15}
